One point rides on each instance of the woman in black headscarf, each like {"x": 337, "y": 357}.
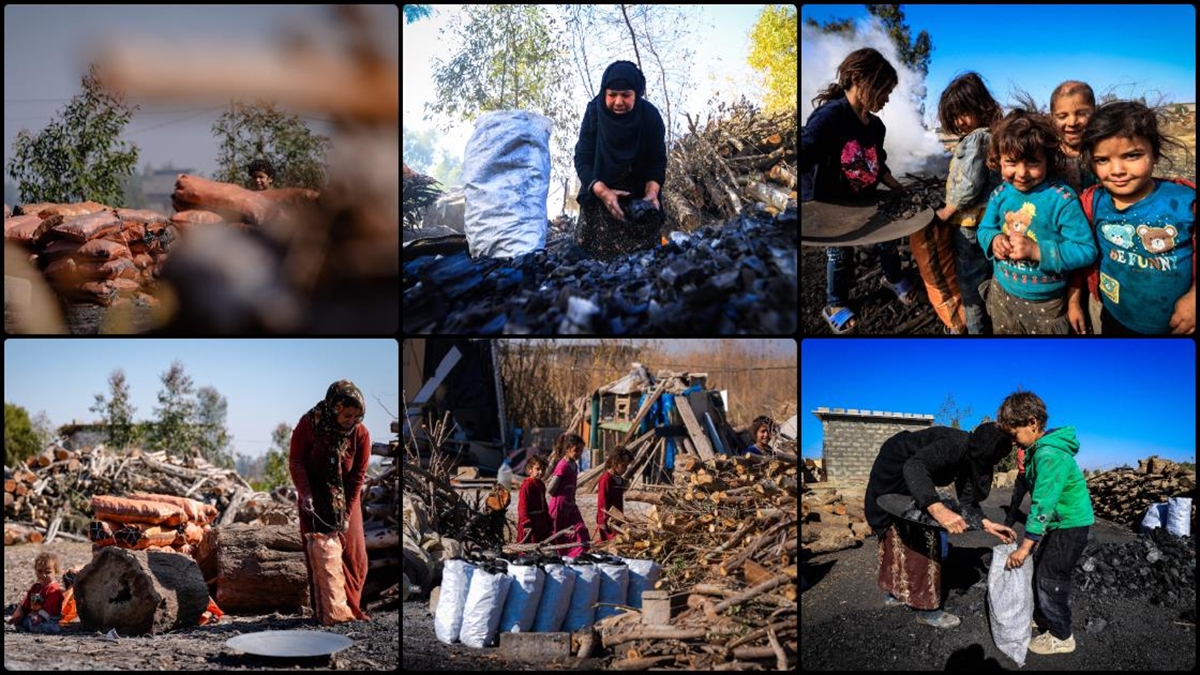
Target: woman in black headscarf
{"x": 621, "y": 151}
{"x": 914, "y": 463}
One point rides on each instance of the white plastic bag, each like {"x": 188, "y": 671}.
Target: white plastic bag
{"x": 506, "y": 179}
{"x": 520, "y": 608}
{"x": 556, "y": 598}
{"x": 456, "y": 581}
{"x": 1010, "y": 603}
{"x": 643, "y": 574}
{"x": 1155, "y": 515}
{"x": 582, "y": 612}
{"x": 614, "y": 587}
{"x": 1179, "y": 516}
{"x": 485, "y": 602}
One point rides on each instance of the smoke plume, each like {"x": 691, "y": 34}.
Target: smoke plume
{"x": 910, "y": 146}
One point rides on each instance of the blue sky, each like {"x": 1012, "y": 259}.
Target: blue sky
{"x": 264, "y": 381}
{"x": 1129, "y": 49}
{"x": 1127, "y": 398}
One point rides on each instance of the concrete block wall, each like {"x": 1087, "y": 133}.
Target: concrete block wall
{"x": 852, "y": 438}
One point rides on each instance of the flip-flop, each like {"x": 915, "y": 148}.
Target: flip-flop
{"x": 839, "y": 321}
{"x": 904, "y": 290}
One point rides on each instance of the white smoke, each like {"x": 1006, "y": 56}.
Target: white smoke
{"x": 909, "y": 145}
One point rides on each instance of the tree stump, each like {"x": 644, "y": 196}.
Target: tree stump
{"x": 140, "y": 592}
{"x": 260, "y": 569}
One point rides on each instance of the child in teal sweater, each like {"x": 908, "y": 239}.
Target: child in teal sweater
{"x": 1034, "y": 229}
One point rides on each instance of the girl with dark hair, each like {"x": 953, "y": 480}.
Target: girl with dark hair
{"x": 1071, "y": 105}
{"x": 1034, "y": 229}
{"x": 564, "y": 512}
{"x": 968, "y": 109}
{"x": 1145, "y": 227}
{"x": 842, "y": 158}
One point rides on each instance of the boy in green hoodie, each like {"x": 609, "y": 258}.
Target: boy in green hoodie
{"x": 1060, "y": 514}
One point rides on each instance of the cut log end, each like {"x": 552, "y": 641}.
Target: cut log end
{"x": 140, "y": 592}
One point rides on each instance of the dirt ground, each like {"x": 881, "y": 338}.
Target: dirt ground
{"x": 844, "y": 625}
{"x": 377, "y": 643}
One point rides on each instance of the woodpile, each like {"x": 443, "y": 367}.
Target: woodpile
{"x": 740, "y": 156}
{"x": 833, "y": 517}
{"x": 726, "y": 533}
{"x": 1122, "y": 495}
{"x": 381, "y": 528}
{"x": 51, "y": 491}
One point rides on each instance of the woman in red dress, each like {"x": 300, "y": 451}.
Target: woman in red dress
{"x": 328, "y": 462}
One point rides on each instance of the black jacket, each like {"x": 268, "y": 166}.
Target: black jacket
{"x": 915, "y": 462}
{"x": 840, "y": 157}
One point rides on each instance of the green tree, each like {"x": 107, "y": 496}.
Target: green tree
{"x": 174, "y": 430}
{"x": 78, "y": 156}
{"x": 276, "y": 472}
{"x": 250, "y": 131}
{"x": 116, "y": 412}
{"x": 213, "y": 436}
{"x": 914, "y": 53}
{"x": 417, "y": 12}
{"x": 773, "y": 53}
{"x": 20, "y": 442}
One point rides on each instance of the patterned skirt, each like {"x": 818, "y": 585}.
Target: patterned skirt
{"x": 910, "y": 565}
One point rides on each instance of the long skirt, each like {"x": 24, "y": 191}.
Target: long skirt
{"x": 910, "y": 565}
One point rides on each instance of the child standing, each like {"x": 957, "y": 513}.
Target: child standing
{"x": 1060, "y": 515}
{"x": 41, "y": 609}
{"x": 968, "y": 109}
{"x": 1033, "y": 229}
{"x": 564, "y": 512}
{"x": 533, "y": 516}
{"x": 1145, "y": 227}
{"x": 611, "y": 490}
{"x": 1071, "y": 106}
{"x": 842, "y": 157}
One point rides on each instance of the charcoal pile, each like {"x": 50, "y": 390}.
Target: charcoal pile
{"x": 923, "y": 194}
{"x": 1157, "y": 566}
{"x": 740, "y": 278}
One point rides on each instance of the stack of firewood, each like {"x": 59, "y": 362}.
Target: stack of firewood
{"x": 726, "y": 536}
{"x": 381, "y": 526}
{"x": 1122, "y": 495}
{"x": 738, "y": 157}
{"x": 833, "y": 517}
{"x": 50, "y": 491}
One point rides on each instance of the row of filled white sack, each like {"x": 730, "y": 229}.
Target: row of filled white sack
{"x": 476, "y": 603}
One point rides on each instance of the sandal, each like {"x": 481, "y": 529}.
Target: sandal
{"x": 903, "y": 289}
{"x": 841, "y": 320}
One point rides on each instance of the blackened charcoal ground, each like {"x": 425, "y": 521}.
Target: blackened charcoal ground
{"x": 1157, "y": 567}
{"x": 738, "y": 278}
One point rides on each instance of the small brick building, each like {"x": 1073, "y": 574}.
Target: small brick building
{"x": 852, "y": 438}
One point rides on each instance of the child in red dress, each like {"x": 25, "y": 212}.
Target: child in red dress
{"x": 533, "y": 517}
{"x": 611, "y": 491}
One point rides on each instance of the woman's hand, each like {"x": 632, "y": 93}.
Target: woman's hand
{"x": 609, "y": 199}
{"x": 306, "y": 503}
{"x": 1005, "y": 533}
{"x": 948, "y": 519}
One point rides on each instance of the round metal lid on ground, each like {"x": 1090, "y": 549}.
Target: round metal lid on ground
{"x": 290, "y": 643}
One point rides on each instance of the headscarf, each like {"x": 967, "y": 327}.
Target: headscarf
{"x": 333, "y": 443}
{"x": 618, "y": 137}
{"x": 988, "y": 444}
